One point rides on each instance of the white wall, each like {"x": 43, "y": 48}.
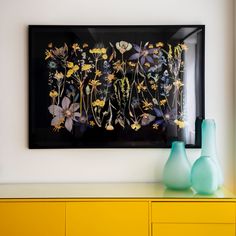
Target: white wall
{"x": 19, "y": 164}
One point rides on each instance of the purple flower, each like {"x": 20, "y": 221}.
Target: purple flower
{"x": 143, "y": 54}
{"x": 147, "y": 119}
{"x": 67, "y": 112}
{"x": 167, "y": 117}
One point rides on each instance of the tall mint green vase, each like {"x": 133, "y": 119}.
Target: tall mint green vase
{"x": 177, "y": 170}
{"x": 209, "y": 146}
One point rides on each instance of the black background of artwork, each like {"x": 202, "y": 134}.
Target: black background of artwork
{"x": 41, "y": 134}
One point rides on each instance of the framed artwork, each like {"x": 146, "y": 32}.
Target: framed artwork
{"x": 115, "y": 86}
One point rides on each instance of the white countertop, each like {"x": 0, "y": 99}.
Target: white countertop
{"x": 100, "y": 190}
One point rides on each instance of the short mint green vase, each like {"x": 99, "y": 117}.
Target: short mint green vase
{"x": 177, "y": 170}
{"x": 204, "y": 175}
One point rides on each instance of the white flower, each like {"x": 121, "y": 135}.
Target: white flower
{"x": 123, "y": 46}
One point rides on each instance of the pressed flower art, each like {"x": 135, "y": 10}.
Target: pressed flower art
{"x": 118, "y": 91}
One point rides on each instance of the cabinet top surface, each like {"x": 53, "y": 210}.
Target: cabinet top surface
{"x": 154, "y": 191}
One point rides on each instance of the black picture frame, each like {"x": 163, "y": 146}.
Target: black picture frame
{"x": 141, "y": 135}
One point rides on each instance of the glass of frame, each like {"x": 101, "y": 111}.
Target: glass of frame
{"x": 115, "y": 86}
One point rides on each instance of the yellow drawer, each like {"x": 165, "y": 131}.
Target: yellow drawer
{"x": 107, "y": 218}
{"x": 193, "y": 212}
{"x": 193, "y": 229}
{"x": 32, "y": 219}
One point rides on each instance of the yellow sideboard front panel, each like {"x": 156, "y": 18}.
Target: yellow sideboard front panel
{"x": 193, "y": 212}
{"x": 32, "y": 219}
{"x": 193, "y": 230}
{"x": 107, "y": 218}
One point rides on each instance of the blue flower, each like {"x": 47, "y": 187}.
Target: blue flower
{"x": 165, "y": 78}
{"x": 52, "y": 65}
{"x": 161, "y": 60}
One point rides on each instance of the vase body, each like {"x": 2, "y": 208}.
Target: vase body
{"x": 204, "y": 175}
{"x": 209, "y": 145}
{"x": 177, "y": 170}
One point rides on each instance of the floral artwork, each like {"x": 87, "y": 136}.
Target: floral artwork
{"x": 115, "y": 86}
{"x": 121, "y": 85}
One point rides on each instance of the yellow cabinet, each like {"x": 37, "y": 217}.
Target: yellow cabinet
{"x": 32, "y": 219}
{"x": 107, "y": 218}
{"x": 193, "y": 230}
{"x": 108, "y": 210}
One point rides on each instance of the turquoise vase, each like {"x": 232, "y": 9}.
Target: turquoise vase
{"x": 177, "y": 170}
{"x": 209, "y": 145}
{"x": 204, "y": 175}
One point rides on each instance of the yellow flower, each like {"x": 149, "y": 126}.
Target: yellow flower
{"x": 109, "y": 127}
{"x": 159, "y": 44}
{"x": 86, "y": 67}
{"x": 110, "y": 78}
{"x": 69, "y": 73}
{"x": 103, "y": 50}
{"x": 130, "y": 63}
{"x": 155, "y": 126}
{"x": 184, "y": 47}
{"x": 70, "y": 64}
{"x": 141, "y": 87}
{"x": 85, "y": 45}
{"x": 98, "y": 73}
{"x": 53, "y": 94}
{"x": 98, "y": 51}
{"x": 92, "y": 123}
{"x": 154, "y": 87}
{"x": 118, "y": 66}
{"x": 136, "y": 126}
{"x": 180, "y": 123}
{"x": 155, "y": 51}
{"x": 98, "y": 103}
{"x": 48, "y": 54}
{"x": 104, "y": 56}
{"x": 163, "y": 102}
{"x": 58, "y": 75}
{"x": 75, "y": 47}
{"x": 147, "y": 105}
{"x": 147, "y": 64}
{"x": 94, "y": 83}
{"x": 150, "y": 46}
{"x": 58, "y": 125}
{"x": 73, "y": 69}
{"x": 178, "y": 84}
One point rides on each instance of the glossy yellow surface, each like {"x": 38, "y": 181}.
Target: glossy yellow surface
{"x": 193, "y": 230}
{"x": 32, "y": 219}
{"x": 107, "y": 219}
{"x": 197, "y": 212}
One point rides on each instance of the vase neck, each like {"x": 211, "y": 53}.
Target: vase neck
{"x": 178, "y": 150}
{"x": 208, "y": 138}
